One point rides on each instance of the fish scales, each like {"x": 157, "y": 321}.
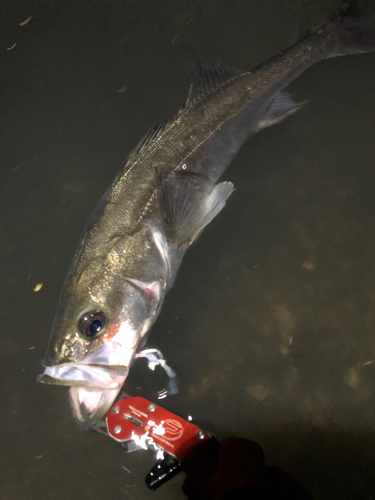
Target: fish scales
{"x": 196, "y": 124}
{"x": 167, "y": 192}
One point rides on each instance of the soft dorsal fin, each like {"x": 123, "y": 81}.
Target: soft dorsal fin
{"x": 208, "y": 78}
{"x": 282, "y": 106}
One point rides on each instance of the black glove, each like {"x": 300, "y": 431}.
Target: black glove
{"x": 236, "y": 470}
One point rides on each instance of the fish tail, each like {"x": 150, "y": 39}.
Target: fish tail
{"x": 350, "y": 33}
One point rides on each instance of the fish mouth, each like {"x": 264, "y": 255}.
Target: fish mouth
{"x": 95, "y": 381}
{"x": 105, "y": 368}
{"x": 84, "y": 375}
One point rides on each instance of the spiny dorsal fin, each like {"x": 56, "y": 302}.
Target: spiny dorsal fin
{"x": 208, "y": 78}
{"x": 146, "y": 141}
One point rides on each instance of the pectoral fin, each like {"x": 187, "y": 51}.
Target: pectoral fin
{"x": 189, "y": 204}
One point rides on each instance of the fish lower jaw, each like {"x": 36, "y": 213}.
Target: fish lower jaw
{"x": 90, "y": 404}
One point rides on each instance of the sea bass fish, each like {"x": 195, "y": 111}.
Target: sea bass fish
{"x": 164, "y": 196}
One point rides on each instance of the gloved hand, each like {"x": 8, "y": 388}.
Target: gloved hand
{"x": 236, "y": 470}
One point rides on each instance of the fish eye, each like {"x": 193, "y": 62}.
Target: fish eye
{"x": 92, "y": 323}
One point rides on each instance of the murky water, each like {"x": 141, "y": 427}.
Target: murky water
{"x": 271, "y": 322}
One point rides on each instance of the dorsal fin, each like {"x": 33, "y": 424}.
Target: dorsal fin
{"x": 208, "y": 78}
{"x": 146, "y": 141}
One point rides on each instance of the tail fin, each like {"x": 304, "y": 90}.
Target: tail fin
{"x": 351, "y": 33}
